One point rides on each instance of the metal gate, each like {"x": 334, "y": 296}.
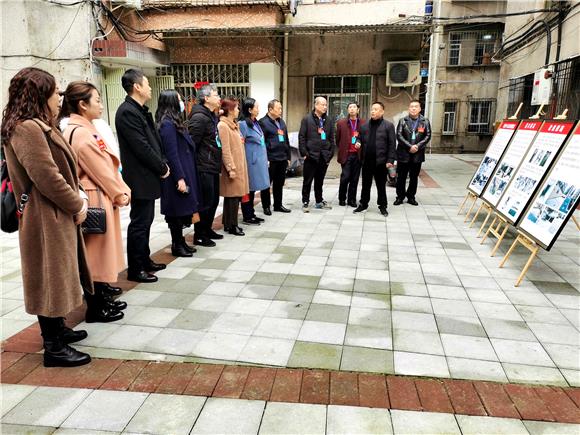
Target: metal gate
{"x": 231, "y": 80}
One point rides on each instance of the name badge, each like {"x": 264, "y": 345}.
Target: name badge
{"x": 353, "y": 140}
{"x": 323, "y": 135}
{"x": 421, "y": 129}
{"x": 355, "y": 133}
{"x": 262, "y": 141}
{"x": 413, "y": 136}
{"x": 217, "y": 141}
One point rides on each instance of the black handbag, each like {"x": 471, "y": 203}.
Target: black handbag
{"x": 11, "y": 209}
{"x": 96, "y": 221}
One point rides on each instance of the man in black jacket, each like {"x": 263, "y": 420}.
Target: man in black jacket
{"x": 377, "y": 154}
{"x": 316, "y": 144}
{"x": 208, "y": 152}
{"x": 143, "y": 168}
{"x": 413, "y": 135}
{"x": 278, "y": 147}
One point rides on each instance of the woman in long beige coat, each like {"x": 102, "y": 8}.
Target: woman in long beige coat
{"x": 234, "y": 176}
{"x": 43, "y": 165}
{"x": 99, "y": 175}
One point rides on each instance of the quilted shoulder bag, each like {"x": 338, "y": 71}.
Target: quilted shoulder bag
{"x": 96, "y": 221}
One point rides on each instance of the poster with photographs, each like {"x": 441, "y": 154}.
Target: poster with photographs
{"x": 506, "y": 167}
{"x": 534, "y": 167}
{"x": 492, "y": 155}
{"x": 557, "y": 197}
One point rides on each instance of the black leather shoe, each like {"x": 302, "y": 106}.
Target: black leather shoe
{"x": 251, "y": 221}
{"x": 342, "y": 203}
{"x": 282, "y": 209}
{"x": 155, "y": 267}
{"x": 204, "y": 241}
{"x": 259, "y": 219}
{"x": 142, "y": 276}
{"x": 412, "y": 201}
{"x": 398, "y": 201}
{"x": 69, "y": 336}
{"x": 59, "y": 354}
{"x": 236, "y": 231}
{"x": 352, "y": 204}
{"x": 102, "y": 314}
{"x": 109, "y": 302}
{"x": 360, "y": 208}
{"x": 214, "y": 236}
{"x": 178, "y": 250}
{"x": 267, "y": 211}
{"x": 108, "y": 289}
{"x": 188, "y": 247}
{"x": 384, "y": 211}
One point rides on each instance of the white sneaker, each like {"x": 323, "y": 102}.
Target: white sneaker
{"x": 305, "y": 207}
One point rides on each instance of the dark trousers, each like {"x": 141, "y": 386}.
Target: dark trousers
{"x": 209, "y": 186}
{"x": 349, "y": 178}
{"x": 248, "y": 210}
{"x": 230, "y": 212}
{"x": 138, "y": 233}
{"x": 412, "y": 169}
{"x": 277, "y": 172}
{"x": 379, "y": 173}
{"x": 313, "y": 170}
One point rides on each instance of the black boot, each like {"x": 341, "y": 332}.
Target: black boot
{"x": 187, "y": 247}
{"x": 99, "y": 311}
{"x": 177, "y": 241}
{"x": 114, "y": 304}
{"x": 178, "y": 250}
{"x": 59, "y": 354}
{"x": 69, "y": 336}
{"x": 107, "y": 289}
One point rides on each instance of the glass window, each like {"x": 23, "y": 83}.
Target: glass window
{"x": 342, "y": 90}
{"x": 480, "y": 116}
{"x": 449, "y": 116}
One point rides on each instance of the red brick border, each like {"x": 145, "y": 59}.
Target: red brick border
{"x": 304, "y": 386}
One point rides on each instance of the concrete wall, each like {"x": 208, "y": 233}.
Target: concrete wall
{"x": 364, "y": 54}
{"x": 264, "y": 84}
{"x": 32, "y": 29}
{"x": 532, "y": 57}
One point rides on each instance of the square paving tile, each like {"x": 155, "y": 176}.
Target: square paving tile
{"x": 218, "y": 288}
{"x": 293, "y": 418}
{"x": 268, "y": 351}
{"x": 129, "y": 337}
{"x": 369, "y": 317}
{"x": 332, "y": 297}
{"x": 12, "y": 395}
{"x": 475, "y": 425}
{"x": 315, "y": 355}
{"x": 446, "y": 307}
{"x": 235, "y": 323}
{"x": 233, "y": 416}
{"x": 356, "y": 420}
{"x": 295, "y": 294}
{"x": 328, "y": 313}
{"x": 322, "y": 332}
{"x": 287, "y": 310}
{"x": 376, "y": 337}
{"x": 363, "y": 359}
{"x": 371, "y": 300}
{"x": 257, "y": 291}
{"x": 460, "y": 326}
{"x": 418, "y": 364}
{"x": 417, "y": 341}
{"x": 278, "y": 328}
{"x": 545, "y": 428}
{"x": 468, "y": 347}
{"x": 194, "y": 320}
{"x": 521, "y": 352}
{"x": 414, "y": 321}
{"x": 411, "y": 303}
{"x": 412, "y": 422}
{"x": 214, "y": 345}
{"x": 153, "y": 316}
{"x": 507, "y": 329}
{"x": 461, "y": 368}
{"x": 211, "y": 303}
{"x": 106, "y": 410}
{"x": 558, "y": 334}
{"x": 166, "y": 413}
{"x": 46, "y": 406}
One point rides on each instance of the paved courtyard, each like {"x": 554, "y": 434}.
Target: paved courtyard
{"x": 411, "y": 294}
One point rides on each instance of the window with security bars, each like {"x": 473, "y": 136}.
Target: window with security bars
{"x": 342, "y": 90}
{"x": 230, "y": 80}
{"x": 481, "y": 113}
{"x": 472, "y": 48}
{"x": 449, "y": 117}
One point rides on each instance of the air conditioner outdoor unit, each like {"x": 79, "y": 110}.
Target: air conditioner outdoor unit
{"x": 129, "y": 4}
{"x": 404, "y": 73}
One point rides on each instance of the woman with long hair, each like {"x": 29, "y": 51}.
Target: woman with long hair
{"x": 179, "y": 191}
{"x": 234, "y": 177}
{"x": 256, "y": 157}
{"x": 43, "y": 165}
{"x": 98, "y": 169}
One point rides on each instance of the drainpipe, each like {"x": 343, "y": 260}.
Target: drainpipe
{"x": 433, "y": 62}
{"x": 285, "y": 71}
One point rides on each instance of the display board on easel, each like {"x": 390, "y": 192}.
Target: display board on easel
{"x": 557, "y": 198}
{"x": 511, "y": 159}
{"x": 492, "y": 155}
{"x": 536, "y": 163}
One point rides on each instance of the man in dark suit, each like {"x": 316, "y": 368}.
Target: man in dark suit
{"x": 143, "y": 168}
{"x": 378, "y": 153}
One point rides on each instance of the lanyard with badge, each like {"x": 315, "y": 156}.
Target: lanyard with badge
{"x": 415, "y": 124}
{"x": 280, "y": 131}
{"x": 217, "y": 136}
{"x": 321, "y": 129}
{"x": 256, "y": 127}
{"x": 354, "y": 130}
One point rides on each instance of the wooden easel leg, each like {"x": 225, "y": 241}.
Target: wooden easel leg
{"x": 526, "y": 267}
{"x": 488, "y": 230}
{"x": 476, "y": 214}
{"x": 470, "y": 208}
{"x": 463, "y": 202}
{"x": 484, "y": 222}
{"x": 503, "y": 233}
{"x": 576, "y": 222}
{"x": 509, "y": 252}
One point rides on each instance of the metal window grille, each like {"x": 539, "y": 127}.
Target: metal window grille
{"x": 342, "y": 90}
{"x": 230, "y": 80}
{"x": 481, "y": 113}
{"x": 472, "y": 48}
{"x": 449, "y": 117}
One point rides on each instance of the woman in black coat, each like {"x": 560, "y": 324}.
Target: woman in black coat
{"x": 179, "y": 191}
